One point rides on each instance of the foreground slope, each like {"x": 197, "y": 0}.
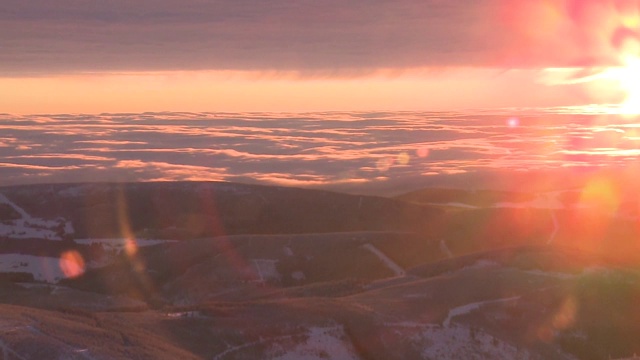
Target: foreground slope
{"x": 500, "y": 304}
{"x": 234, "y": 271}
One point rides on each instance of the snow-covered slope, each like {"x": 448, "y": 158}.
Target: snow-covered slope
{"x": 31, "y": 227}
{"x": 47, "y": 269}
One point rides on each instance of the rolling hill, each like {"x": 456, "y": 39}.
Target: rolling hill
{"x": 233, "y": 271}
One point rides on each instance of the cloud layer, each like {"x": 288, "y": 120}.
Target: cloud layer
{"x": 329, "y": 36}
{"x": 313, "y": 149}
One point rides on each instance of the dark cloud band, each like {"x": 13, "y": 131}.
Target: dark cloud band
{"x": 117, "y": 35}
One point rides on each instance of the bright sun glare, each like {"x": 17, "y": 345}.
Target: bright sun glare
{"x": 629, "y": 78}
{"x": 626, "y": 76}
{"x": 613, "y": 28}
{"x": 626, "y": 40}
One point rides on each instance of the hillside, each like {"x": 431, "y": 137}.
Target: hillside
{"x": 279, "y": 273}
{"x": 186, "y": 210}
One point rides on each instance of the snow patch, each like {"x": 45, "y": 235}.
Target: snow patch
{"x": 21, "y": 229}
{"x": 185, "y": 314}
{"x": 313, "y": 344}
{"x": 483, "y": 263}
{"x": 298, "y": 275}
{"x": 479, "y": 264}
{"x": 320, "y": 343}
{"x": 287, "y": 251}
{"x": 18, "y": 209}
{"x": 458, "y": 341}
{"x": 445, "y": 249}
{"x": 29, "y": 227}
{"x": 119, "y": 243}
{"x": 266, "y": 269}
{"x": 397, "y": 270}
{"x": 456, "y": 204}
{"x": 557, "y": 275}
{"x": 462, "y": 342}
{"x": 465, "y": 309}
{"x": 42, "y": 268}
{"x": 68, "y": 228}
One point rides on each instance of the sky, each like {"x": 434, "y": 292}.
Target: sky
{"x": 80, "y": 56}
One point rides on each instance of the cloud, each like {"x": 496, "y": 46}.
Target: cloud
{"x": 392, "y": 146}
{"x": 330, "y": 37}
{"x": 319, "y": 38}
{"x": 163, "y": 171}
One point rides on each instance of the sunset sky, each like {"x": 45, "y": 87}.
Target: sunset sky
{"x": 245, "y": 55}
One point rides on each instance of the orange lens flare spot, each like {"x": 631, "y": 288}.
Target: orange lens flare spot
{"x": 601, "y": 196}
{"x": 72, "y": 264}
{"x": 403, "y": 158}
{"x": 599, "y": 199}
{"x": 565, "y": 317}
{"x": 384, "y": 164}
{"x": 423, "y": 152}
{"x": 130, "y": 246}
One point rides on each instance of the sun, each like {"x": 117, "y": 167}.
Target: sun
{"x": 616, "y": 88}
{"x": 609, "y": 76}
{"x": 624, "y": 79}
{"x": 631, "y": 84}
{"x": 628, "y": 78}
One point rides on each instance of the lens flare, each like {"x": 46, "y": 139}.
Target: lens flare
{"x": 423, "y": 152}
{"x": 384, "y": 164}
{"x": 599, "y": 199}
{"x": 630, "y": 82}
{"x": 565, "y": 317}
{"x": 72, "y": 264}
{"x": 403, "y": 158}
{"x": 130, "y": 246}
{"x": 598, "y": 43}
{"x": 600, "y": 195}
